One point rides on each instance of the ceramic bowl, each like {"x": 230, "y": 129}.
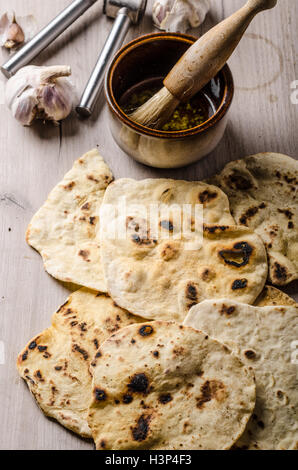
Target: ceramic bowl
{"x": 153, "y": 56}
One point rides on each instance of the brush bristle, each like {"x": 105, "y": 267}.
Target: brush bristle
{"x": 157, "y": 110}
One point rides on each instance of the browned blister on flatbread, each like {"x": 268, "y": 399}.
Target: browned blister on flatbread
{"x": 55, "y": 364}
{"x": 262, "y": 191}
{"x": 160, "y": 385}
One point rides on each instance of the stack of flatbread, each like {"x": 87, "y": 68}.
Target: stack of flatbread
{"x": 262, "y": 191}
{"x": 172, "y": 340}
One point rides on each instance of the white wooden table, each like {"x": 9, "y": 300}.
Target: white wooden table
{"x": 33, "y": 160}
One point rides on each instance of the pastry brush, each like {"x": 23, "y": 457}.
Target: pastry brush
{"x": 200, "y": 63}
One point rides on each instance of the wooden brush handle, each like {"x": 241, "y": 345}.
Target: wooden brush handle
{"x": 206, "y": 57}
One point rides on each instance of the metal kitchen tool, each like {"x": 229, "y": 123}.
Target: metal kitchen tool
{"x": 125, "y": 13}
{"x": 46, "y": 36}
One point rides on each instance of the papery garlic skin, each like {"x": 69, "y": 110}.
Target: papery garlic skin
{"x": 179, "y": 15}
{"x": 40, "y": 93}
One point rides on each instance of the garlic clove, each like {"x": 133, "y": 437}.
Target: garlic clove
{"x": 199, "y": 12}
{"x": 25, "y": 109}
{"x": 179, "y": 15}
{"x": 15, "y": 30}
{"x": 25, "y": 78}
{"x": 40, "y": 93}
{"x": 4, "y": 25}
{"x": 15, "y": 35}
{"x": 56, "y": 101}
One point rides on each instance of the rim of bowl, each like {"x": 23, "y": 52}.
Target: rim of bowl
{"x": 114, "y": 106}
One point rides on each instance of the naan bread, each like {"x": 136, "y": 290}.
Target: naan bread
{"x": 264, "y": 338}
{"x": 160, "y": 278}
{"x": 55, "y": 364}
{"x": 160, "y": 385}
{"x": 262, "y": 191}
{"x": 64, "y": 229}
{"x": 272, "y": 296}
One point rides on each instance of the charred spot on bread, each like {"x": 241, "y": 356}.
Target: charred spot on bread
{"x": 146, "y": 330}
{"x": 279, "y": 272}
{"x": 100, "y": 395}
{"x": 142, "y": 241}
{"x": 165, "y": 398}
{"x": 139, "y": 232}
{"x": 211, "y": 389}
{"x": 239, "y": 284}
{"x": 207, "y": 196}
{"x": 69, "y": 186}
{"x": 215, "y": 228}
{"x": 250, "y": 354}
{"x": 139, "y": 383}
{"x": 126, "y": 399}
{"x": 227, "y": 310}
{"x": 167, "y": 225}
{"x": 140, "y": 431}
{"x": 191, "y": 292}
{"x": 84, "y": 254}
{"x": 238, "y": 181}
{"x": 289, "y": 214}
{"x": 248, "y": 215}
{"x": 80, "y": 350}
{"x": 238, "y": 256}
{"x": 25, "y": 355}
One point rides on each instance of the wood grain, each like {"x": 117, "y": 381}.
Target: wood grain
{"x": 34, "y": 159}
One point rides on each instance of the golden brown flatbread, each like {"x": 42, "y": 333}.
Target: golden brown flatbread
{"x": 265, "y": 340}
{"x": 64, "y": 229}
{"x": 161, "y": 278}
{"x": 55, "y": 363}
{"x": 262, "y": 191}
{"x": 160, "y": 385}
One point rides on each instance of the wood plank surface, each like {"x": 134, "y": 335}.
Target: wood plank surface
{"x": 33, "y": 160}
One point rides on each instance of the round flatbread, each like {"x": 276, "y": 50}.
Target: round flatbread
{"x": 55, "y": 364}
{"x": 64, "y": 229}
{"x": 161, "y": 277}
{"x": 266, "y": 339}
{"x": 262, "y": 191}
{"x": 160, "y": 385}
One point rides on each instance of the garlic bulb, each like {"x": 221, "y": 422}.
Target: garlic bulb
{"x": 179, "y": 15}
{"x": 15, "y": 30}
{"x": 40, "y": 93}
